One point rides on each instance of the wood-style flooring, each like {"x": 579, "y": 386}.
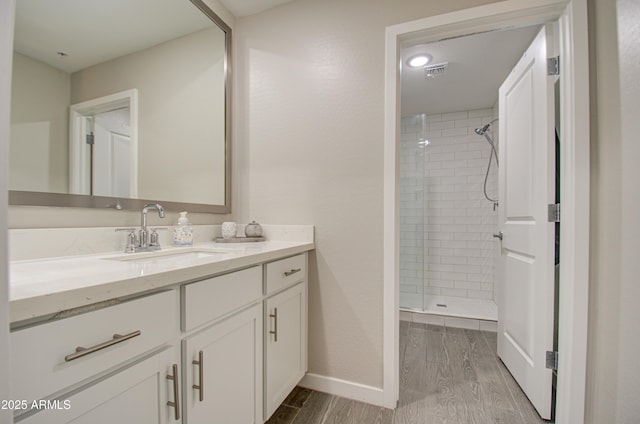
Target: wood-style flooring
{"x": 447, "y": 376}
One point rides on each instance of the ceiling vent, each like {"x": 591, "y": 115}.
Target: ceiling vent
{"x": 435, "y": 70}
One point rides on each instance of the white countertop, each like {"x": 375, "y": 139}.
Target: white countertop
{"x": 44, "y": 287}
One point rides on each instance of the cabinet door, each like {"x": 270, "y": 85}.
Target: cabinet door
{"x": 224, "y": 363}
{"x": 285, "y": 344}
{"x": 138, "y": 394}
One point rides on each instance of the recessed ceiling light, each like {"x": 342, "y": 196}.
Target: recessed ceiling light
{"x": 418, "y": 60}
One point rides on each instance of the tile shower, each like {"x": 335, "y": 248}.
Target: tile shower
{"x": 447, "y": 251}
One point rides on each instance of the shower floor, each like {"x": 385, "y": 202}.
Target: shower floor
{"x": 482, "y": 309}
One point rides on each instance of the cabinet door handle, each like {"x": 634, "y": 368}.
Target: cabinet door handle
{"x": 83, "y": 351}
{"x": 275, "y": 324}
{"x": 293, "y": 271}
{"x": 176, "y": 393}
{"x": 200, "y": 364}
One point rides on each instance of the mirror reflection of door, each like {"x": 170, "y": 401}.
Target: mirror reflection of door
{"x": 111, "y": 153}
{"x": 103, "y": 142}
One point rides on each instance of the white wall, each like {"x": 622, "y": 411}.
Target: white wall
{"x": 310, "y": 85}
{"x": 458, "y": 221}
{"x": 604, "y": 279}
{"x": 628, "y": 407}
{"x": 6, "y": 50}
{"x": 613, "y": 387}
{"x": 181, "y": 126}
{"x": 39, "y": 126}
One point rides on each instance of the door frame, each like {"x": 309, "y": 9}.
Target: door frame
{"x": 79, "y": 166}
{"x": 574, "y": 174}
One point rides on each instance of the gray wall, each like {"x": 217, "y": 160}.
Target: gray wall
{"x": 310, "y": 81}
{"x": 6, "y": 50}
{"x": 628, "y": 409}
{"x": 613, "y": 387}
{"x": 181, "y": 134}
{"x": 39, "y": 99}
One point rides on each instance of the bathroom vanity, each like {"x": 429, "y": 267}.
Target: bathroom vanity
{"x": 191, "y": 335}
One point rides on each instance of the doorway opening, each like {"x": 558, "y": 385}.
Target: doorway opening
{"x": 464, "y": 232}
{"x": 449, "y": 173}
{"x": 574, "y": 157}
{"x": 103, "y": 146}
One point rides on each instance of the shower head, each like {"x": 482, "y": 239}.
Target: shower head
{"x": 481, "y": 131}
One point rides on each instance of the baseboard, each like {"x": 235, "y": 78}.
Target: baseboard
{"x": 343, "y": 388}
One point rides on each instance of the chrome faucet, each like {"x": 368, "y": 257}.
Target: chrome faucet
{"x": 146, "y": 242}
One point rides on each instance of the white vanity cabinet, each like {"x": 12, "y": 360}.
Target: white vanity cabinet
{"x": 285, "y": 329}
{"x": 223, "y": 361}
{"x": 104, "y": 363}
{"x": 224, "y": 349}
{"x": 137, "y": 394}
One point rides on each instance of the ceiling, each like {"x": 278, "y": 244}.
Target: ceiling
{"x": 44, "y": 27}
{"x": 240, "y": 8}
{"x": 477, "y": 66}
{"x": 94, "y": 31}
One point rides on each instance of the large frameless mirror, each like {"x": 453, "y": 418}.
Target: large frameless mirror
{"x": 117, "y": 103}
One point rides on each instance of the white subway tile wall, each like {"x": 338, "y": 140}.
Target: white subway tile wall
{"x": 446, "y": 224}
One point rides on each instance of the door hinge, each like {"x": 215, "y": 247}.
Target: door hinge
{"x": 553, "y": 66}
{"x": 90, "y": 139}
{"x": 553, "y": 212}
{"x": 552, "y": 360}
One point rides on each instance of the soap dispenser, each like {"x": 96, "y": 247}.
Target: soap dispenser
{"x": 183, "y": 232}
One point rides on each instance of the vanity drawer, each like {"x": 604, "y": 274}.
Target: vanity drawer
{"x": 209, "y": 299}
{"x": 285, "y": 272}
{"x": 40, "y": 355}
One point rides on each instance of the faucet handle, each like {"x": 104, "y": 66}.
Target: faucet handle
{"x": 153, "y": 238}
{"x": 132, "y": 240}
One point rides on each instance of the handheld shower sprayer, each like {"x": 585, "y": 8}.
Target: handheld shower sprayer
{"x": 483, "y": 132}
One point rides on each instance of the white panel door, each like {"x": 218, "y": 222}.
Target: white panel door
{"x": 112, "y": 154}
{"x": 527, "y": 185}
{"x": 223, "y": 371}
{"x": 138, "y": 394}
{"x": 285, "y": 345}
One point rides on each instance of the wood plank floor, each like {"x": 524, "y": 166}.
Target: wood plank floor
{"x": 447, "y": 376}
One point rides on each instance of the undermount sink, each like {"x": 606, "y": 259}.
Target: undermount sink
{"x": 168, "y": 255}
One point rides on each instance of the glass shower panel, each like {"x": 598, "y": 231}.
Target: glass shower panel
{"x": 413, "y": 143}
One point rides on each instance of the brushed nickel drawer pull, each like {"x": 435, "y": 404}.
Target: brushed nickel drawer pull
{"x": 275, "y": 324}
{"x": 200, "y": 363}
{"x": 83, "y": 351}
{"x": 176, "y": 392}
{"x": 293, "y": 271}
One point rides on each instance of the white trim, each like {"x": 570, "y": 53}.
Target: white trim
{"x": 574, "y": 180}
{"x": 343, "y": 388}
{"x": 574, "y": 231}
{"x": 79, "y": 167}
